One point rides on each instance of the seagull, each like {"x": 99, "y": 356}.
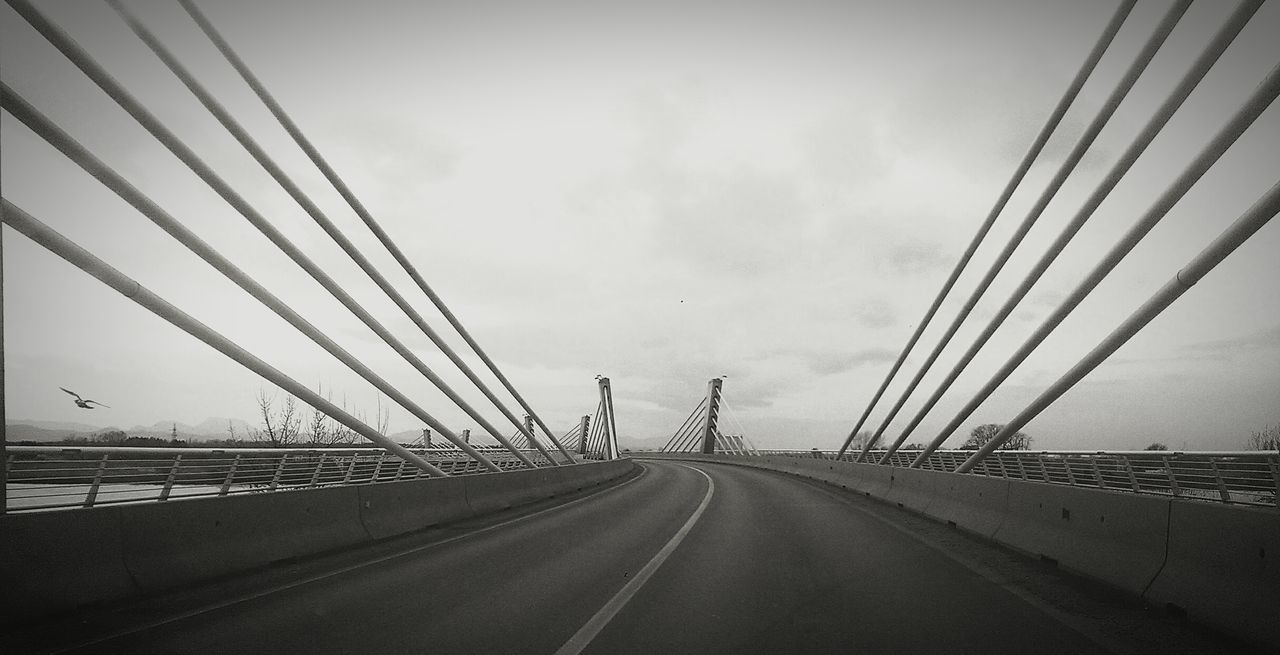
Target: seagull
{"x": 82, "y": 403}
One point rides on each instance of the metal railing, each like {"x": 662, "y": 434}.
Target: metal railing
{"x": 1244, "y": 478}
{"x": 53, "y": 477}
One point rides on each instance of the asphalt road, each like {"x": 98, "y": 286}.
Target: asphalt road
{"x": 684, "y": 558}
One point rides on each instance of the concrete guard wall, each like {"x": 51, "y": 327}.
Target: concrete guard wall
{"x": 1114, "y": 537}
{"x": 1224, "y": 565}
{"x": 53, "y": 562}
{"x": 1219, "y": 563}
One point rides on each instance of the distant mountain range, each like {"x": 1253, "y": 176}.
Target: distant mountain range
{"x": 46, "y": 431}
{"x": 211, "y": 428}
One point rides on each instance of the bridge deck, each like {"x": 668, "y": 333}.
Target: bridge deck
{"x": 774, "y": 564}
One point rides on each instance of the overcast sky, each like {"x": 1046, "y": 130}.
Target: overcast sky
{"x": 660, "y": 192}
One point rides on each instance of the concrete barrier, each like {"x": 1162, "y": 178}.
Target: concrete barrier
{"x": 56, "y": 562}
{"x": 184, "y": 541}
{"x": 875, "y": 481}
{"x": 51, "y": 564}
{"x": 912, "y": 489}
{"x": 1224, "y": 568}
{"x": 397, "y": 508}
{"x": 1114, "y": 537}
{"x": 973, "y": 503}
{"x": 498, "y": 491}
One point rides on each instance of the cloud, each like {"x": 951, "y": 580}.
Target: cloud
{"x": 833, "y": 363}
{"x": 914, "y": 257}
{"x": 876, "y": 313}
{"x": 1254, "y": 342}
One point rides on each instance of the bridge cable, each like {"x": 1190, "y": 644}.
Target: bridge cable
{"x": 1258, "y": 101}
{"x": 277, "y": 173}
{"x": 688, "y": 438}
{"x": 104, "y": 272}
{"x": 1244, "y": 227}
{"x": 682, "y": 425}
{"x": 1221, "y": 40}
{"x": 1086, "y": 139}
{"x": 693, "y": 437}
{"x": 314, "y": 154}
{"x": 1068, "y": 165}
{"x": 78, "y": 56}
{"x": 742, "y": 430}
{"x": 1036, "y": 147}
{"x": 64, "y": 143}
{"x": 594, "y": 444}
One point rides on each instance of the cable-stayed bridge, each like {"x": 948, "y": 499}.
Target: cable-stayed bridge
{"x": 521, "y": 538}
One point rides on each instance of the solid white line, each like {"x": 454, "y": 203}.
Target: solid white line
{"x": 588, "y": 631}
{"x": 346, "y": 569}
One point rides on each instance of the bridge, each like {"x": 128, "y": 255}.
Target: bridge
{"x": 512, "y": 536}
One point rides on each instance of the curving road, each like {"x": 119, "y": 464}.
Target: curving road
{"x": 683, "y": 558}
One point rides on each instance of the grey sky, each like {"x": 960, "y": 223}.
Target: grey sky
{"x": 660, "y": 192}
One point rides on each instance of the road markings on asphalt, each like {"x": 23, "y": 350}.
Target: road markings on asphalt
{"x": 346, "y": 569}
{"x": 595, "y": 624}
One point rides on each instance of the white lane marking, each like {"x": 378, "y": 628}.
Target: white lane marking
{"x": 596, "y": 623}
{"x": 336, "y": 572}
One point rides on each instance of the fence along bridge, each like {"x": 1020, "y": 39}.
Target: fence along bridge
{"x": 400, "y": 547}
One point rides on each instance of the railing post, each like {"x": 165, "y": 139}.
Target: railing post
{"x": 315, "y": 475}
{"x": 1173, "y": 480}
{"x": 1217, "y": 477}
{"x": 377, "y": 470}
{"x": 1097, "y": 473}
{"x": 231, "y": 474}
{"x": 351, "y": 468}
{"x": 173, "y": 477}
{"x": 92, "y": 496}
{"x": 1275, "y": 478}
{"x": 584, "y": 428}
{"x": 275, "y": 478}
{"x": 1071, "y": 475}
{"x": 713, "y": 415}
{"x": 1133, "y": 478}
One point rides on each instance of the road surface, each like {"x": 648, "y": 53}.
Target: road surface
{"x": 682, "y": 558}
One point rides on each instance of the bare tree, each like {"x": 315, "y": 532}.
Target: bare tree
{"x": 1267, "y": 438}
{"x": 279, "y": 430}
{"x": 318, "y": 428}
{"x": 290, "y": 422}
{"x": 231, "y": 431}
{"x": 987, "y": 431}
{"x": 337, "y": 432}
{"x": 383, "y": 417}
{"x": 267, "y": 411}
{"x": 859, "y": 440}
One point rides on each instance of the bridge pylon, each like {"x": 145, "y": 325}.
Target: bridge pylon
{"x": 710, "y": 423}
{"x": 609, "y": 425}
{"x": 700, "y": 431}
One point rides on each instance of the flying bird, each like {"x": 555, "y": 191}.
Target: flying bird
{"x": 82, "y": 403}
